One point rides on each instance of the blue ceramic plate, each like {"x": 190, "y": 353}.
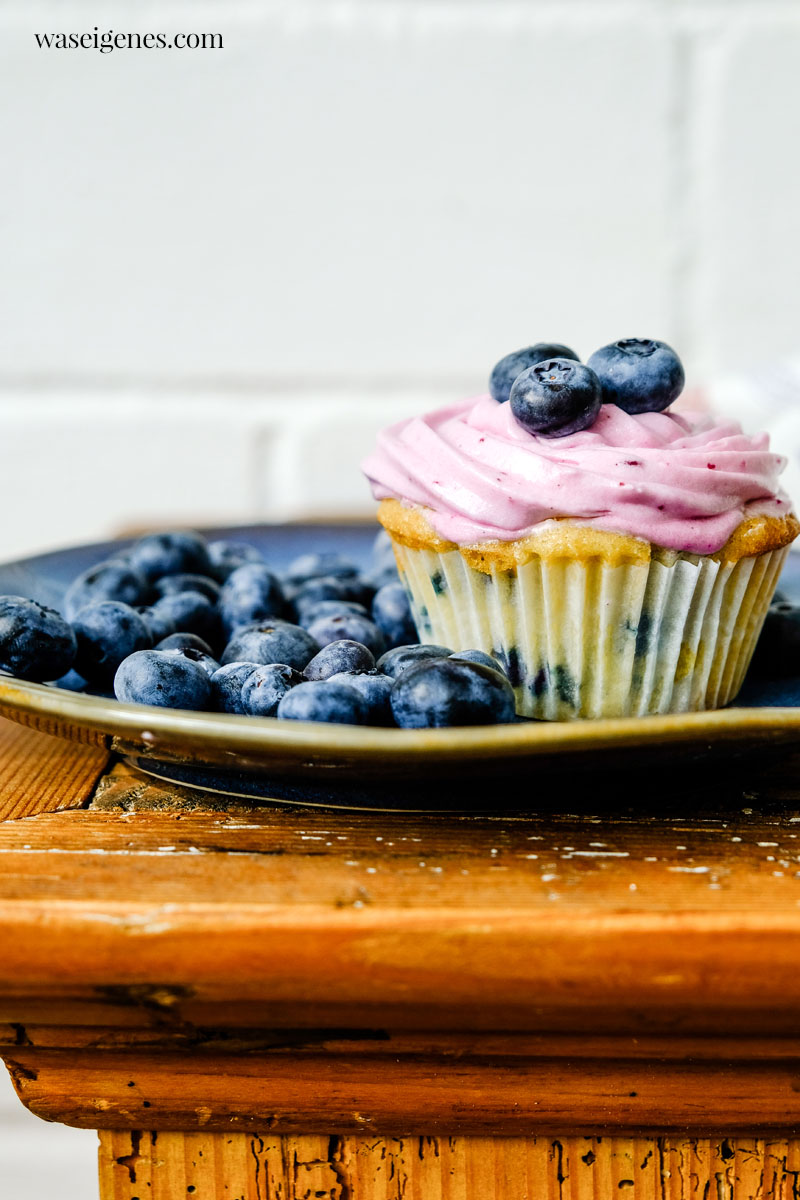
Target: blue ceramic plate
{"x": 359, "y": 767}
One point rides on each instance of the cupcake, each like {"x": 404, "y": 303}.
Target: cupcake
{"x": 617, "y": 557}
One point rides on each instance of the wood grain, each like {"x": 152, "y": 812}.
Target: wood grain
{"x": 292, "y": 1090}
{"x": 174, "y": 1166}
{"x": 282, "y": 918}
{"x": 176, "y": 1077}
{"x": 40, "y": 774}
{"x": 327, "y": 1004}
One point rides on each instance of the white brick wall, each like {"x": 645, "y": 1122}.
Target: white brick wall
{"x": 369, "y": 194}
{"x": 223, "y": 270}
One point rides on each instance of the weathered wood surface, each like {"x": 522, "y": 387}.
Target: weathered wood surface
{"x": 255, "y": 974}
{"x": 168, "y": 1166}
{"x": 41, "y": 774}
{"x": 56, "y": 726}
{"x": 446, "y": 1087}
{"x": 280, "y": 918}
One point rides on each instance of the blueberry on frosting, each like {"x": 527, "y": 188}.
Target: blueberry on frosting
{"x": 556, "y": 397}
{"x": 638, "y": 374}
{"x": 507, "y": 370}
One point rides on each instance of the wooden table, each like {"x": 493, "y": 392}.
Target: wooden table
{"x": 261, "y": 1003}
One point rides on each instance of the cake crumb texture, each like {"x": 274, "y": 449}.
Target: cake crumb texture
{"x": 568, "y": 539}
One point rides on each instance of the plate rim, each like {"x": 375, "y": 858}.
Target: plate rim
{"x": 261, "y": 735}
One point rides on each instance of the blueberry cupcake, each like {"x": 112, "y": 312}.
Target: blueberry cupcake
{"x": 617, "y": 556}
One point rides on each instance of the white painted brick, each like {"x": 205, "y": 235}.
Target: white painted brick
{"x": 749, "y": 194}
{"x": 78, "y": 470}
{"x": 346, "y": 190}
{"x": 316, "y": 467}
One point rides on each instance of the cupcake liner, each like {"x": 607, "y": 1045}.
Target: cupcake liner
{"x": 588, "y": 639}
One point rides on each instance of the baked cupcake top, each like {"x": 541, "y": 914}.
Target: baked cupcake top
{"x": 679, "y": 480}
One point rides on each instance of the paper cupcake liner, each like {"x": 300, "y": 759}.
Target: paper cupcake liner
{"x": 586, "y": 639}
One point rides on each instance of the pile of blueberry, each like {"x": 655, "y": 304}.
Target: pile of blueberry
{"x": 179, "y": 622}
{"x": 552, "y": 393}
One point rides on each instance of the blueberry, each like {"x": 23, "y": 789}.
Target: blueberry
{"x": 378, "y": 577}
{"x": 276, "y": 642}
{"x": 225, "y": 556}
{"x": 769, "y": 693}
{"x": 35, "y": 642}
{"x": 107, "y": 581}
{"x": 71, "y": 682}
{"x": 173, "y": 553}
{"x": 375, "y": 690}
{"x": 445, "y": 692}
{"x": 324, "y": 701}
{"x": 313, "y": 566}
{"x": 382, "y": 555}
{"x": 479, "y": 656}
{"x": 777, "y": 653}
{"x": 349, "y": 626}
{"x": 344, "y": 655}
{"x": 227, "y": 684}
{"x": 511, "y": 367}
{"x": 250, "y": 593}
{"x": 638, "y": 374}
{"x": 190, "y": 612}
{"x": 513, "y": 666}
{"x": 331, "y": 608}
{"x": 395, "y": 662}
{"x": 161, "y": 625}
{"x": 106, "y": 633}
{"x": 556, "y": 397}
{"x": 166, "y": 680}
{"x": 206, "y": 661}
{"x": 330, "y": 587}
{"x": 290, "y": 590}
{"x": 170, "y": 585}
{"x": 121, "y": 557}
{"x": 264, "y": 688}
{"x": 179, "y": 641}
{"x": 391, "y": 612}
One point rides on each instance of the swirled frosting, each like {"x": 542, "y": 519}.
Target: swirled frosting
{"x": 679, "y": 480}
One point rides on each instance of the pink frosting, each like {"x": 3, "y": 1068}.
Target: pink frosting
{"x": 684, "y": 481}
